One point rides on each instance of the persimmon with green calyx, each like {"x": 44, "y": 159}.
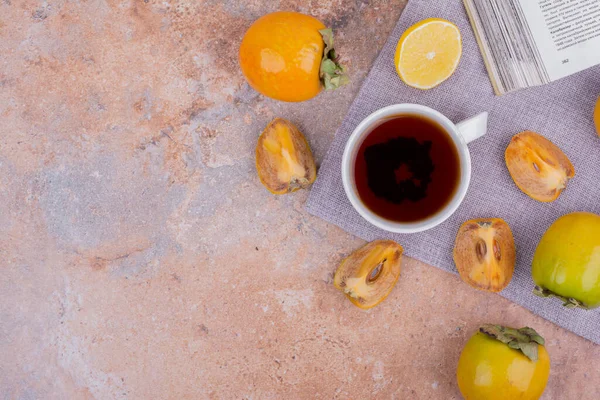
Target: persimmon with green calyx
{"x": 566, "y": 263}
{"x": 289, "y": 56}
{"x": 501, "y": 363}
{"x": 368, "y": 275}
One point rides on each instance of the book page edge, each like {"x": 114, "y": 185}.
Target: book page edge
{"x": 486, "y": 61}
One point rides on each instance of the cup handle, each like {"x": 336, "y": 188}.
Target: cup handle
{"x": 473, "y": 128}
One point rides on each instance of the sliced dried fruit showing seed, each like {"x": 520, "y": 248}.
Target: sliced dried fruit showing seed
{"x": 484, "y": 253}
{"x": 283, "y": 158}
{"x": 538, "y": 167}
{"x": 368, "y": 275}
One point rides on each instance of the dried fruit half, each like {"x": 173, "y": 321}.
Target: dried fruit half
{"x": 368, "y": 275}
{"x": 538, "y": 167}
{"x": 484, "y": 253}
{"x": 597, "y": 116}
{"x": 283, "y": 158}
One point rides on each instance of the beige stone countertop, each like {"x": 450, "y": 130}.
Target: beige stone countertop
{"x": 141, "y": 258}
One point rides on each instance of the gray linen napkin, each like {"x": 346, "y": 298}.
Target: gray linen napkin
{"x": 561, "y": 111}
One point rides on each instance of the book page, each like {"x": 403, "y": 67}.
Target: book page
{"x": 566, "y": 32}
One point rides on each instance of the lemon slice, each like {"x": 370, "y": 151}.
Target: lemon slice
{"x": 428, "y": 53}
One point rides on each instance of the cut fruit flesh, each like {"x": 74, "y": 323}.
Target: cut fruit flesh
{"x": 283, "y": 158}
{"x": 538, "y": 167}
{"x": 369, "y": 274}
{"x": 428, "y": 53}
{"x": 484, "y": 254}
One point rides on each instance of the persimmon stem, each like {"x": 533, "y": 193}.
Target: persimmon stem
{"x": 525, "y": 340}
{"x": 333, "y": 75}
{"x": 568, "y": 302}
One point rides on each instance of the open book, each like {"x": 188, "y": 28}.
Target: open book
{"x": 533, "y": 42}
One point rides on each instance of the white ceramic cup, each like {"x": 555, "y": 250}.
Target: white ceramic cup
{"x": 461, "y": 134}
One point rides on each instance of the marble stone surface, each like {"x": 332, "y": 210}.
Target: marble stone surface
{"x": 140, "y": 257}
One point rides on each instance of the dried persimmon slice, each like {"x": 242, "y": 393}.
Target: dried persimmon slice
{"x": 284, "y": 161}
{"x": 538, "y": 167}
{"x": 597, "y": 116}
{"x": 485, "y": 254}
{"x": 368, "y": 275}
